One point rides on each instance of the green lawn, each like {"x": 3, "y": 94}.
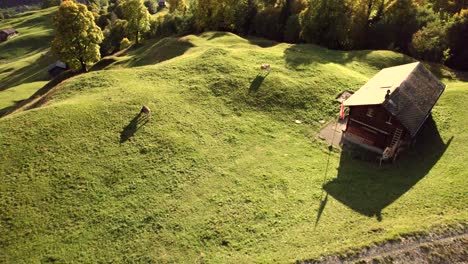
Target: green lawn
{"x": 16, "y": 94}
{"x": 221, "y": 173}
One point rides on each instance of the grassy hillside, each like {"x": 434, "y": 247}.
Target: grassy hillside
{"x": 24, "y": 59}
{"x": 220, "y": 173}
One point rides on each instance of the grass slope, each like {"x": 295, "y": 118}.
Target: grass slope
{"x": 18, "y": 93}
{"x": 221, "y": 173}
{"x": 24, "y": 59}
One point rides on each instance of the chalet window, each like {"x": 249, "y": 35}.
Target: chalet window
{"x": 370, "y": 112}
{"x": 389, "y": 121}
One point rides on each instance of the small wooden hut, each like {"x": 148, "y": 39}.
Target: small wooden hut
{"x": 56, "y": 68}
{"x": 6, "y": 34}
{"x": 388, "y": 111}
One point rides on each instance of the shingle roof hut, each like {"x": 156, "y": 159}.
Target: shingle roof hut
{"x": 392, "y": 106}
{"x": 6, "y": 34}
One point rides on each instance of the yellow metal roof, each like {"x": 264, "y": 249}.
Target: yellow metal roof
{"x": 374, "y": 91}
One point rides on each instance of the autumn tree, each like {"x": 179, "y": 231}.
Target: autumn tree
{"x": 77, "y": 37}
{"x": 138, "y": 17}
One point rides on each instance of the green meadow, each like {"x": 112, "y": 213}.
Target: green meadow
{"x": 25, "y": 58}
{"x": 220, "y": 172}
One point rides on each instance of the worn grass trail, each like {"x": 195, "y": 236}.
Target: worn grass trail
{"x": 221, "y": 172}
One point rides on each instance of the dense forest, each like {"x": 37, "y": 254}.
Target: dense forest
{"x": 429, "y": 30}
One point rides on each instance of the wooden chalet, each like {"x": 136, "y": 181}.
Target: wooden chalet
{"x": 6, "y": 34}
{"x": 388, "y": 111}
{"x": 56, "y": 68}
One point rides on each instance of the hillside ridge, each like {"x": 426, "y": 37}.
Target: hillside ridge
{"x": 221, "y": 172}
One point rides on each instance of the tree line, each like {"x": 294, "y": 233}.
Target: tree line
{"x": 430, "y": 30}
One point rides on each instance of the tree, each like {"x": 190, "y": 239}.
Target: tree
{"x": 430, "y": 43}
{"x": 177, "y": 6}
{"x": 151, "y": 6}
{"x": 396, "y": 27}
{"x": 113, "y": 35}
{"x": 135, "y": 12}
{"x": 326, "y": 22}
{"x": 77, "y": 37}
{"x": 457, "y": 35}
{"x": 226, "y": 15}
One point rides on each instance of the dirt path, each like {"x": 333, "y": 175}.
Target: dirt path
{"x": 449, "y": 247}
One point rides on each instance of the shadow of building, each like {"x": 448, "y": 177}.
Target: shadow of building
{"x": 367, "y": 188}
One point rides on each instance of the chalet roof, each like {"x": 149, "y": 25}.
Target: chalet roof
{"x": 57, "y": 64}
{"x": 9, "y": 31}
{"x": 413, "y": 92}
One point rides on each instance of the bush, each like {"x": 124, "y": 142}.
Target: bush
{"x": 2, "y": 16}
{"x": 125, "y": 43}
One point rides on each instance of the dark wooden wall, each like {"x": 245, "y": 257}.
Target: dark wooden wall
{"x": 378, "y": 132}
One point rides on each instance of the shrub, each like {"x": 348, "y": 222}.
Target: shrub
{"x": 125, "y": 43}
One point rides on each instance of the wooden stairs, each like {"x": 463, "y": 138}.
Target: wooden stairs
{"x": 396, "y": 137}
{"x": 391, "y": 150}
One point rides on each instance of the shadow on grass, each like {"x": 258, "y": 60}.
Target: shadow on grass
{"x": 367, "y": 188}
{"x": 306, "y": 54}
{"x": 34, "y": 72}
{"x": 40, "y": 97}
{"x": 162, "y": 50}
{"x": 323, "y": 203}
{"x": 257, "y": 82}
{"x": 135, "y": 124}
{"x": 102, "y": 64}
{"x": 217, "y": 35}
{"x": 261, "y": 42}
